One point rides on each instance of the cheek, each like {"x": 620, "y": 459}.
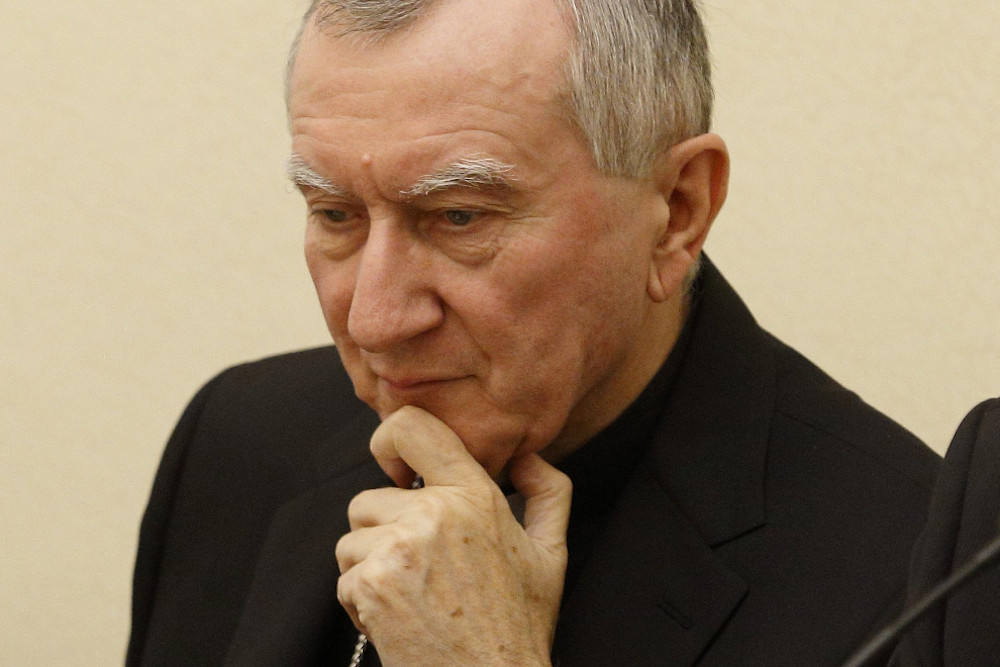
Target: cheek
{"x": 533, "y": 327}
{"x": 555, "y": 326}
{"x": 559, "y": 302}
{"x": 334, "y": 284}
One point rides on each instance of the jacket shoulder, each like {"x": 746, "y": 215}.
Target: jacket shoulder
{"x": 846, "y": 493}
{"x": 807, "y": 395}
{"x": 255, "y": 437}
{"x": 309, "y": 384}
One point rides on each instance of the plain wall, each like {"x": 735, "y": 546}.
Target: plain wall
{"x": 148, "y": 239}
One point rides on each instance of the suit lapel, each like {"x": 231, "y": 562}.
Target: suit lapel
{"x": 655, "y": 592}
{"x": 652, "y": 593}
{"x": 710, "y": 452}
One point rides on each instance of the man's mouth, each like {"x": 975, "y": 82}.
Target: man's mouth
{"x": 413, "y": 384}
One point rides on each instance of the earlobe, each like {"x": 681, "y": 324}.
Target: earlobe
{"x": 693, "y": 179}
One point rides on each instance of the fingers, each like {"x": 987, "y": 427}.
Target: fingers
{"x": 375, "y": 517}
{"x": 376, "y": 507}
{"x": 345, "y": 595}
{"x": 370, "y": 562}
{"x": 412, "y": 439}
{"x": 548, "y": 494}
{"x": 354, "y": 547}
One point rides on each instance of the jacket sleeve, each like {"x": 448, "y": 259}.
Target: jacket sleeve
{"x": 964, "y": 630}
{"x": 156, "y": 523}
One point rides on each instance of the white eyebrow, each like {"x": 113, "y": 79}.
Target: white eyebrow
{"x": 302, "y": 175}
{"x": 472, "y": 172}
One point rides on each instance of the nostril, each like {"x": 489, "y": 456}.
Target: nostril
{"x": 377, "y": 325}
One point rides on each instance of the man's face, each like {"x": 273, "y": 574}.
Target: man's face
{"x": 513, "y": 310}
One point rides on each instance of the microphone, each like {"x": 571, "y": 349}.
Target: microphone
{"x": 980, "y": 561}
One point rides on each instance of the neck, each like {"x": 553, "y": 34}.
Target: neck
{"x": 656, "y": 339}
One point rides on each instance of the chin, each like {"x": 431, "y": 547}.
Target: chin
{"x": 492, "y": 448}
{"x": 493, "y": 437}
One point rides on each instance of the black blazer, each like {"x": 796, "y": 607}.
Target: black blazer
{"x": 770, "y": 523}
{"x": 965, "y": 630}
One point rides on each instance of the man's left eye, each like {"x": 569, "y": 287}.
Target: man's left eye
{"x": 459, "y": 218}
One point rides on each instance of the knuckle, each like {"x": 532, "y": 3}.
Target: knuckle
{"x": 400, "y": 417}
{"x": 345, "y": 586}
{"x": 407, "y": 411}
{"x": 354, "y": 508}
{"x": 424, "y": 508}
{"x": 364, "y": 586}
{"x": 403, "y": 546}
{"x": 374, "y": 581}
{"x": 430, "y": 510}
{"x": 563, "y": 484}
{"x": 494, "y": 501}
{"x": 340, "y": 553}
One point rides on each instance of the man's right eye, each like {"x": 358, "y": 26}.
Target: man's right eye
{"x": 334, "y": 215}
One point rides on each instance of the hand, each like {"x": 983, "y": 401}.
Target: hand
{"x": 444, "y": 575}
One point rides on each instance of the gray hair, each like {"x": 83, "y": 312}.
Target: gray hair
{"x": 638, "y": 82}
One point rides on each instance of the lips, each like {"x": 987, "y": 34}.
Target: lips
{"x": 403, "y": 383}
{"x": 414, "y": 383}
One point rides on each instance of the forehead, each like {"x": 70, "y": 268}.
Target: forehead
{"x": 464, "y": 33}
{"x": 477, "y": 72}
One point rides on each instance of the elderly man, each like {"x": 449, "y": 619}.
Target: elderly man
{"x": 507, "y": 203}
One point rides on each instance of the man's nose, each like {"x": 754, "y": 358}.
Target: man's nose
{"x": 394, "y": 297}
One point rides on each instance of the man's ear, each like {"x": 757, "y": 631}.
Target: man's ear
{"x": 693, "y": 178}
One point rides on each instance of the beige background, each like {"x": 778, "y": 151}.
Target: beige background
{"x": 148, "y": 239}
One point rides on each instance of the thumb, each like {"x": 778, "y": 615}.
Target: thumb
{"x": 412, "y": 440}
{"x": 547, "y": 493}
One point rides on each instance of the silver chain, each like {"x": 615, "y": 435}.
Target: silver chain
{"x": 359, "y": 650}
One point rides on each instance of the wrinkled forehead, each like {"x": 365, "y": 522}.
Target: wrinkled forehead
{"x": 507, "y": 55}
{"x": 380, "y": 18}
{"x": 470, "y": 38}
{"x": 472, "y": 79}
